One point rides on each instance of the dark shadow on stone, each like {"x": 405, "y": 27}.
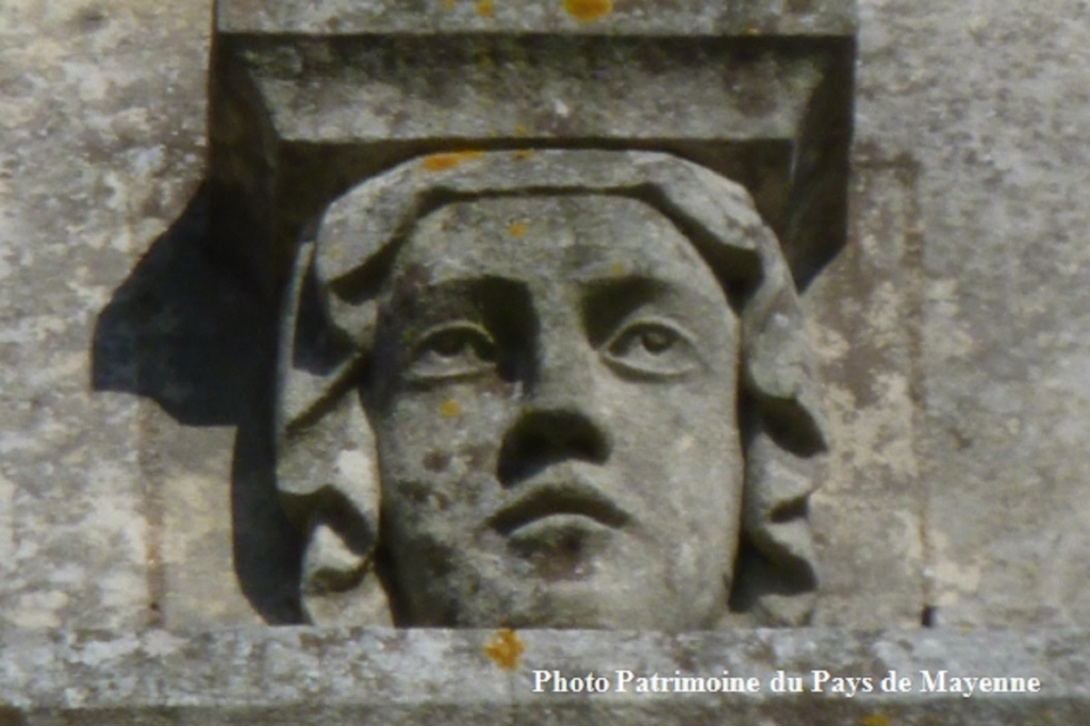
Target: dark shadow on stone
{"x": 267, "y": 548}
{"x": 191, "y": 331}
{"x": 10, "y": 715}
{"x": 185, "y": 329}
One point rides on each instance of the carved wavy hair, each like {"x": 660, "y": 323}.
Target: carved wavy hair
{"x": 327, "y": 472}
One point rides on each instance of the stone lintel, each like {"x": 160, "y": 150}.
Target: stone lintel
{"x": 309, "y": 675}
{"x": 624, "y": 17}
{"x": 308, "y": 99}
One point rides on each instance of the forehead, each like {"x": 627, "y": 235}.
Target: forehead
{"x": 581, "y": 237}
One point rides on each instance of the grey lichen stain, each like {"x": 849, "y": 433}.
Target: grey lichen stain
{"x": 477, "y": 455}
{"x": 437, "y": 461}
{"x": 91, "y": 18}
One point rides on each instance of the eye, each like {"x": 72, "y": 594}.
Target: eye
{"x": 452, "y": 350}
{"x": 651, "y": 348}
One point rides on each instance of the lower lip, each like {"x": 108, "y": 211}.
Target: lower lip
{"x": 562, "y": 547}
{"x": 559, "y": 529}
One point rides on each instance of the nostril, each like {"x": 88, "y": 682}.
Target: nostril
{"x": 590, "y": 448}
{"x": 541, "y": 438}
{"x": 521, "y": 448}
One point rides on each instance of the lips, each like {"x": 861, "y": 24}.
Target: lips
{"x": 559, "y": 498}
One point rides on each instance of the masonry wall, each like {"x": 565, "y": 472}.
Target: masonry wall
{"x": 965, "y": 418}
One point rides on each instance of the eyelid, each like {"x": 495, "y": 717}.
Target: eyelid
{"x": 683, "y": 359}
{"x": 459, "y": 365}
{"x": 648, "y": 319}
{"x": 450, "y": 327}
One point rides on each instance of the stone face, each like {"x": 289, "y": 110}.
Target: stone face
{"x": 536, "y": 385}
{"x": 552, "y": 379}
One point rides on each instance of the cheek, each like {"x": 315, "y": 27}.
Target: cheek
{"x": 707, "y": 472}
{"x": 683, "y": 455}
{"x": 443, "y": 440}
{"x": 705, "y": 497}
{"x": 674, "y": 418}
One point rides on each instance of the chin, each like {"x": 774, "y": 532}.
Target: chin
{"x": 599, "y": 603}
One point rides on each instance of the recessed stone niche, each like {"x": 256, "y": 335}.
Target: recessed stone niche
{"x": 317, "y": 111}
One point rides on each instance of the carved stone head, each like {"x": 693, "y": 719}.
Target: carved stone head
{"x": 557, "y": 389}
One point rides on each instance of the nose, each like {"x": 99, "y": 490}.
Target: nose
{"x": 558, "y": 421}
{"x": 540, "y": 438}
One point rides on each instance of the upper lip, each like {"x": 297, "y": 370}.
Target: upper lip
{"x": 566, "y": 497}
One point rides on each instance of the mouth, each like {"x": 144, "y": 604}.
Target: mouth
{"x": 564, "y": 501}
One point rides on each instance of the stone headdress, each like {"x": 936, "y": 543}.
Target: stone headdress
{"x": 327, "y": 471}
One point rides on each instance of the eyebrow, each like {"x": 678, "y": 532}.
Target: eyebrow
{"x": 484, "y": 286}
{"x": 609, "y": 300}
{"x": 633, "y": 286}
{"x": 487, "y": 296}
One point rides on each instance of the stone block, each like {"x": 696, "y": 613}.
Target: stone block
{"x": 365, "y": 676}
{"x": 310, "y": 100}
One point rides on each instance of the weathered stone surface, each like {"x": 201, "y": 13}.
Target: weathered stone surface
{"x": 987, "y": 101}
{"x": 101, "y": 138}
{"x": 101, "y": 144}
{"x": 600, "y": 17}
{"x": 863, "y": 313}
{"x": 302, "y": 108}
{"x": 129, "y": 444}
{"x": 321, "y": 676}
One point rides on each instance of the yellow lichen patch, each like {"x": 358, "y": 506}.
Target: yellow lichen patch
{"x": 617, "y": 268}
{"x": 521, "y": 130}
{"x": 517, "y": 229}
{"x": 448, "y": 161}
{"x": 449, "y": 4}
{"x": 505, "y": 648}
{"x": 586, "y": 11}
{"x": 486, "y": 8}
{"x": 450, "y": 408}
{"x": 751, "y": 31}
{"x": 876, "y": 719}
{"x": 523, "y": 153}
